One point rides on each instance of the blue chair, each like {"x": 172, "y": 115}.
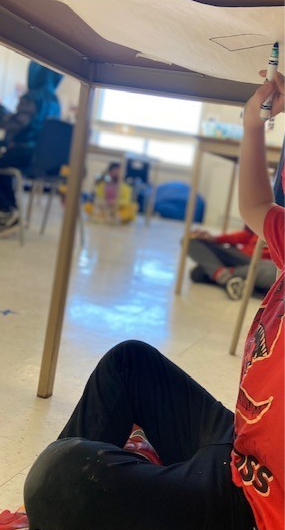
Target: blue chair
{"x": 51, "y": 152}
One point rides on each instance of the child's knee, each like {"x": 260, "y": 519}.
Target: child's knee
{"x": 57, "y": 480}
{"x": 194, "y": 248}
{"x": 131, "y": 348}
{"x": 132, "y": 352}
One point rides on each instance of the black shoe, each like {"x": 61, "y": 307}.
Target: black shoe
{"x": 4, "y": 217}
{"x": 197, "y": 275}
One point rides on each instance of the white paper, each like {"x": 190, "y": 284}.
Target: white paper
{"x": 230, "y": 43}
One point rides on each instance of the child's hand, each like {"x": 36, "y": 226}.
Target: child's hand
{"x": 252, "y": 118}
{"x": 201, "y": 234}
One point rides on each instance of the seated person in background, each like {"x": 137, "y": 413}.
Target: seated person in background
{"x": 21, "y": 133}
{"x": 225, "y": 259}
{"x": 109, "y": 207}
{"x": 108, "y": 188}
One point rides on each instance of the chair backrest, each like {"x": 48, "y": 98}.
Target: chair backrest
{"x": 52, "y": 149}
{"x": 137, "y": 171}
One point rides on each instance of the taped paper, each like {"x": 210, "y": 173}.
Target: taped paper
{"x": 225, "y": 42}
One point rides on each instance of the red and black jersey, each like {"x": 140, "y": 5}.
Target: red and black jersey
{"x": 258, "y": 455}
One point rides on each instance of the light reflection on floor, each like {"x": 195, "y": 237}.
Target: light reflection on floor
{"x": 129, "y": 317}
{"x": 154, "y": 272}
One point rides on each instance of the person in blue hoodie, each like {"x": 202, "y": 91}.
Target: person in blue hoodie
{"x": 21, "y": 133}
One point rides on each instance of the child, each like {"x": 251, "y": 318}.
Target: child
{"x": 224, "y": 260}
{"x": 210, "y": 478}
{"x": 113, "y": 199}
{"x": 22, "y": 130}
{"x": 258, "y": 456}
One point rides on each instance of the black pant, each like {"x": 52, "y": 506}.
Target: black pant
{"x": 90, "y": 482}
{"x": 19, "y": 157}
{"x": 212, "y": 256}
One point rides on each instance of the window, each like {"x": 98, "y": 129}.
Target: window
{"x": 181, "y": 153}
{"x": 121, "y": 141}
{"x": 156, "y": 112}
{"x": 150, "y": 112}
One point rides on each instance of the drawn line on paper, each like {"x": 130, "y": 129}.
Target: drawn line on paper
{"x": 217, "y": 40}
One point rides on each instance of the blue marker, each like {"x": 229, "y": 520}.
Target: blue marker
{"x": 265, "y": 111}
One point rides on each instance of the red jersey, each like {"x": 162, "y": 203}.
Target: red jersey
{"x": 258, "y": 454}
{"x": 244, "y": 240}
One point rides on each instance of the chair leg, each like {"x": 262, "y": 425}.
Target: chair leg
{"x": 40, "y": 191}
{"x": 19, "y": 195}
{"x": 249, "y": 285}
{"x": 30, "y": 203}
{"x": 81, "y": 226}
{"x": 47, "y": 208}
{"x": 20, "y": 207}
{"x": 148, "y": 206}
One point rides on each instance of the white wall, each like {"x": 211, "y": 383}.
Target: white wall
{"x": 13, "y": 68}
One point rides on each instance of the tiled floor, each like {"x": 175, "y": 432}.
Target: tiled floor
{"x": 121, "y": 287}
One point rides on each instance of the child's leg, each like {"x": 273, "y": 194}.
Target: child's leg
{"x": 265, "y": 274}
{"x": 7, "y": 196}
{"x": 213, "y": 257}
{"x": 79, "y": 484}
{"x": 134, "y": 383}
{"x": 203, "y": 253}
{"x": 219, "y": 263}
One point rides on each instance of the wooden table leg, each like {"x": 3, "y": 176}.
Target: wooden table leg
{"x": 148, "y": 211}
{"x": 249, "y": 285}
{"x": 81, "y": 224}
{"x": 121, "y": 181}
{"x": 229, "y": 199}
{"x": 65, "y": 247}
{"x": 188, "y": 220}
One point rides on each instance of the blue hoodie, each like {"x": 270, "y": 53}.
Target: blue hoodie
{"x": 34, "y": 107}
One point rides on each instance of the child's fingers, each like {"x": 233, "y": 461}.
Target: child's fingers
{"x": 263, "y": 92}
{"x": 262, "y": 73}
{"x": 278, "y": 104}
{"x": 279, "y": 82}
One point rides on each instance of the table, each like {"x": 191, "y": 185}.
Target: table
{"x": 35, "y": 28}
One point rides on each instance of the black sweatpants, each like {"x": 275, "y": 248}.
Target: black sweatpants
{"x": 19, "y": 157}
{"x": 86, "y": 481}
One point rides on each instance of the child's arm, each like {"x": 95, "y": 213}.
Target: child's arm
{"x": 234, "y": 238}
{"x": 255, "y": 193}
